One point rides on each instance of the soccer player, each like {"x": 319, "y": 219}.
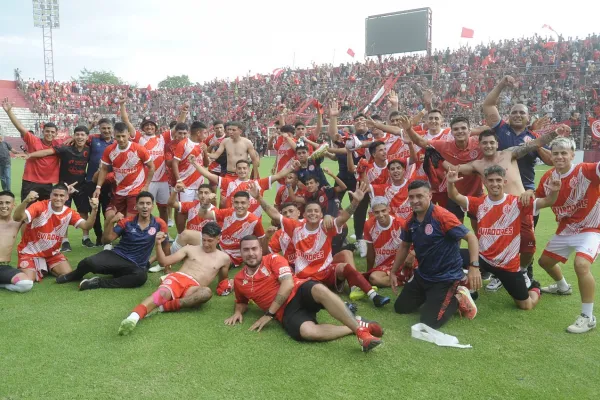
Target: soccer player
{"x": 499, "y": 224}
{"x": 213, "y": 141}
{"x": 73, "y": 163}
{"x": 269, "y": 282}
{"x": 324, "y": 195}
{"x": 237, "y": 148}
{"x": 396, "y": 192}
{"x": 188, "y": 287}
{"x": 47, "y": 222}
{"x": 434, "y": 289}
{"x": 10, "y": 278}
{"x": 577, "y": 211}
{"x": 127, "y": 262}
{"x": 283, "y": 142}
{"x": 310, "y": 166}
{"x": 192, "y": 208}
{"x": 382, "y": 234}
{"x": 236, "y": 223}
{"x": 290, "y": 187}
{"x": 278, "y": 241}
{"x": 127, "y": 160}
{"x": 312, "y": 238}
{"x": 374, "y": 171}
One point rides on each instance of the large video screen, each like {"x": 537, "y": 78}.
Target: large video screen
{"x": 401, "y": 32}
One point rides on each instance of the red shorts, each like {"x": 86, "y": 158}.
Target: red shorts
{"x": 178, "y": 284}
{"x": 440, "y": 198}
{"x": 402, "y": 279}
{"x": 328, "y": 278}
{"x": 123, "y": 204}
{"x": 527, "y": 235}
{"x": 40, "y": 264}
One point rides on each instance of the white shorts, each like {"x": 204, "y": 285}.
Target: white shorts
{"x": 586, "y": 245}
{"x": 187, "y": 195}
{"x": 160, "y": 191}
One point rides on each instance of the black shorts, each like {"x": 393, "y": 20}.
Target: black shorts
{"x": 302, "y": 308}
{"x": 7, "y": 273}
{"x": 513, "y": 282}
{"x": 42, "y": 189}
{"x": 81, "y": 200}
{"x": 456, "y": 210}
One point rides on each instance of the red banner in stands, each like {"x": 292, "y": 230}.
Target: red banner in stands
{"x": 595, "y": 125}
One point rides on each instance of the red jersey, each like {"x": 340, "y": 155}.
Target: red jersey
{"x": 262, "y": 286}
{"x": 313, "y": 248}
{"x": 470, "y": 185}
{"x": 285, "y": 154}
{"x": 194, "y": 221}
{"x": 281, "y": 242}
{"x": 374, "y": 174}
{"x": 169, "y": 150}
{"x": 283, "y": 197}
{"x": 499, "y": 228}
{"x": 213, "y": 142}
{"x": 234, "y": 229}
{"x": 577, "y": 208}
{"x": 385, "y": 240}
{"x": 46, "y": 229}
{"x": 128, "y": 166}
{"x": 156, "y": 148}
{"x": 396, "y": 196}
{"x": 230, "y": 186}
{"x": 44, "y": 169}
{"x": 191, "y": 178}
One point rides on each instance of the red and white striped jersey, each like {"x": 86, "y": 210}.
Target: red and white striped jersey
{"x": 194, "y": 221}
{"x": 285, "y": 154}
{"x": 374, "y": 174}
{"x": 385, "y": 240}
{"x": 233, "y": 230}
{"x": 281, "y": 243}
{"x": 396, "y": 196}
{"x": 577, "y": 208}
{"x": 156, "y": 148}
{"x": 230, "y": 186}
{"x": 499, "y": 228}
{"x": 213, "y": 142}
{"x": 128, "y": 166}
{"x": 192, "y": 179}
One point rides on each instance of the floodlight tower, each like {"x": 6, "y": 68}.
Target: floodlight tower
{"x": 46, "y": 16}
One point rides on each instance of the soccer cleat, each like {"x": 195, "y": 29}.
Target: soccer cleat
{"x": 87, "y": 242}
{"x": 582, "y": 324}
{"x": 64, "y": 278}
{"x": 353, "y": 237}
{"x": 380, "y": 300}
{"x": 362, "y": 248}
{"x": 65, "y": 247}
{"x": 155, "y": 268}
{"x": 127, "y": 326}
{"x": 466, "y": 305}
{"x": 353, "y": 308}
{"x": 356, "y": 293}
{"x": 92, "y": 283}
{"x": 99, "y": 243}
{"x": 553, "y": 289}
{"x": 494, "y": 284}
{"x": 374, "y": 328}
{"x": 485, "y": 276}
{"x": 320, "y": 152}
{"x": 367, "y": 341}
{"x": 108, "y": 246}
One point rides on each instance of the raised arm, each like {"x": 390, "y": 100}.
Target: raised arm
{"x": 413, "y": 136}
{"x": 7, "y": 106}
{"x": 41, "y": 153}
{"x": 283, "y": 173}
{"x": 185, "y": 108}
{"x": 341, "y": 186}
{"x": 490, "y": 110}
{"x": 394, "y": 130}
{"x": 89, "y": 222}
{"x": 334, "y": 112}
{"x": 109, "y": 234}
{"x": 357, "y": 197}
{"x": 533, "y": 145}
{"x": 268, "y": 208}
{"x": 214, "y": 179}
{"x": 393, "y": 99}
{"x": 19, "y": 213}
{"x": 217, "y": 153}
{"x": 161, "y": 257}
{"x": 125, "y": 116}
{"x": 452, "y": 177}
{"x": 548, "y": 201}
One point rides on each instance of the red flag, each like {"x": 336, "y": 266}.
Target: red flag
{"x": 595, "y": 125}
{"x": 467, "y": 33}
{"x": 549, "y": 45}
{"x": 546, "y": 26}
{"x": 149, "y": 88}
{"x": 351, "y": 53}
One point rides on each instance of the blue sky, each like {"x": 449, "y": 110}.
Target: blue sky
{"x": 143, "y": 41}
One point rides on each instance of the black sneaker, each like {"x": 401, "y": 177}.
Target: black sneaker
{"x": 65, "y": 278}
{"x": 530, "y": 270}
{"x": 92, "y": 283}
{"x": 534, "y": 284}
{"x": 380, "y": 301}
{"x": 65, "y": 247}
{"x": 475, "y": 295}
{"x": 87, "y": 242}
{"x": 486, "y": 276}
{"x": 353, "y": 308}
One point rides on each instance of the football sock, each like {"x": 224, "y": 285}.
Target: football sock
{"x": 355, "y": 278}
{"x": 372, "y": 293}
{"x": 172, "y": 305}
{"x": 85, "y": 237}
{"x": 562, "y": 285}
{"x": 138, "y": 313}
{"x": 20, "y": 286}
{"x": 587, "y": 309}
{"x": 65, "y": 240}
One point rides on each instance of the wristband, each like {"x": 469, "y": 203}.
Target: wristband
{"x": 269, "y": 314}
{"x": 98, "y": 187}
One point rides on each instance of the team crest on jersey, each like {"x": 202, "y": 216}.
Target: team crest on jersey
{"x": 573, "y": 182}
{"x": 23, "y": 264}
{"x": 244, "y": 282}
{"x": 265, "y": 271}
{"x": 152, "y": 231}
{"x": 506, "y": 209}
{"x": 474, "y": 154}
{"x": 311, "y": 167}
{"x": 428, "y": 229}
{"x": 321, "y": 199}
{"x": 527, "y": 139}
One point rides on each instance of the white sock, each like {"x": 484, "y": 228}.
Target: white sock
{"x": 372, "y": 293}
{"x": 175, "y": 246}
{"x": 22, "y": 286}
{"x": 587, "y": 309}
{"x": 85, "y": 237}
{"x": 135, "y": 317}
{"x": 65, "y": 240}
{"x": 161, "y": 309}
{"x": 562, "y": 284}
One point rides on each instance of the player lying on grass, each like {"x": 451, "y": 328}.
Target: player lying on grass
{"x": 269, "y": 282}
{"x": 188, "y": 287}
{"x": 10, "y": 278}
{"x": 499, "y": 230}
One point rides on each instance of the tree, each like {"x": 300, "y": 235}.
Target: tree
{"x": 99, "y": 77}
{"x": 173, "y": 82}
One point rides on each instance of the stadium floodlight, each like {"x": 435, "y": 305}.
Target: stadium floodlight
{"x": 46, "y": 16}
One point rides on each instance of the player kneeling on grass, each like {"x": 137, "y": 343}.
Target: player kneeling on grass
{"x": 434, "y": 287}
{"x": 127, "y": 262}
{"x": 269, "y": 282}
{"x": 10, "y": 278}
{"x": 46, "y": 227}
{"x": 187, "y": 288}
{"x": 499, "y": 230}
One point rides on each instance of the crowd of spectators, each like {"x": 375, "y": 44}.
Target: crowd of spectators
{"x": 556, "y": 77}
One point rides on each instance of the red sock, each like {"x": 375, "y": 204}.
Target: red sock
{"x": 537, "y": 290}
{"x": 172, "y": 305}
{"x": 355, "y": 278}
{"x": 141, "y": 310}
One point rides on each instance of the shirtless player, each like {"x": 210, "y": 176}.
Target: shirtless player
{"x": 187, "y": 288}
{"x": 236, "y": 148}
{"x": 10, "y": 278}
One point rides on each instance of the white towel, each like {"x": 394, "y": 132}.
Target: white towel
{"x": 424, "y": 332}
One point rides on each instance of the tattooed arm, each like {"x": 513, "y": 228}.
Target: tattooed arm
{"x": 525, "y": 148}
{"x": 285, "y": 289}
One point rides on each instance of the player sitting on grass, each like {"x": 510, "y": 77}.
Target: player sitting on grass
{"x": 269, "y": 282}
{"x": 499, "y": 230}
{"x": 188, "y": 287}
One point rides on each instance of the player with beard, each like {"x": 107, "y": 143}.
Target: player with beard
{"x": 396, "y": 192}
{"x": 269, "y": 282}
